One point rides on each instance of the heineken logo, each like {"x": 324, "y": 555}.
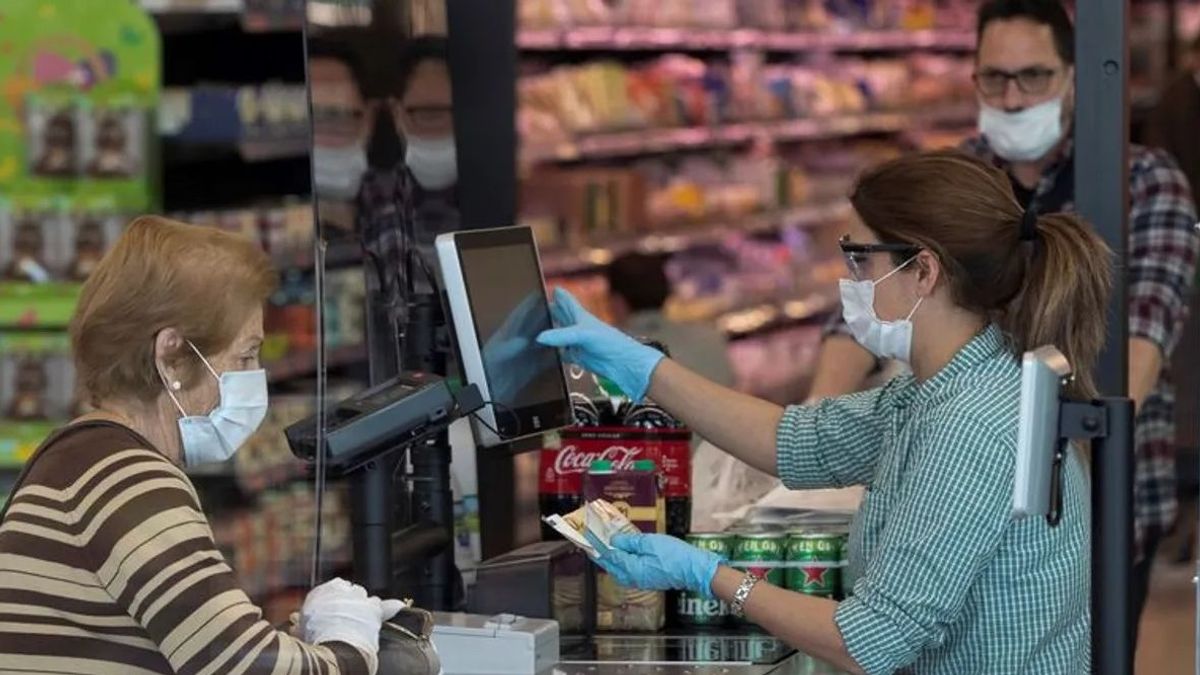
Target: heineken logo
{"x": 814, "y": 575}
{"x": 691, "y": 605}
{"x": 760, "y": 572}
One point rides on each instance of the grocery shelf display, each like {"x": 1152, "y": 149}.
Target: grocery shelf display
{"x": 725, "y": 136}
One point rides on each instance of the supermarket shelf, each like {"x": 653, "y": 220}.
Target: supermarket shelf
{"x": 646, "y": 141}
{"x": 193, "y": 6}
{"x": 304, "y": 364}
{"x": 559, "y": 263}
{"x": 250, "y": 151}
{"x": 178, "y": 16}
{"x": 608, "y": 38}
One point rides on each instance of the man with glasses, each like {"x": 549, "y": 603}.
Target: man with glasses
{"x": 1024, "y": 75}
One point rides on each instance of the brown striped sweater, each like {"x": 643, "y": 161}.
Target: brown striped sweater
{"x": 108, "y": 566}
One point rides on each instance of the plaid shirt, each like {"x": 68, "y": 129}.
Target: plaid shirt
{"x": 942, "y": 579}
{"x": 1163, "y": 249}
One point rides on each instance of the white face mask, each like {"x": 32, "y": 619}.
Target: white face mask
{"x": 1024, "y": 136}
{"x": 338, "y": 172}
{"x": 433, "y": 161}
{"x": 217, "y": 436}
{"x": 884, "y": 339}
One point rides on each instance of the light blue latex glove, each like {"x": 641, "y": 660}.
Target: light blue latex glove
{"x": 599, "y": 347}
{"x": 658, "y": 562}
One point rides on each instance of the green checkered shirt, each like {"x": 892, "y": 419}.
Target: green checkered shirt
{"x": 943, "y": 579}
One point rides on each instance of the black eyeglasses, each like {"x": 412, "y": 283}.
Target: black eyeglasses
{"x": 1034, "y": 81}
{"x": 856, "y": 254}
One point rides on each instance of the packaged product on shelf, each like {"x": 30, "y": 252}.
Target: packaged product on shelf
{"x": 114, "y": 141}
{"x": 242, "y": 222}
{"x": 266, "y": 459}
{"x": 29, "y": 245}
{"x": 89, "y": 235}
{"x": 37, "y": 386}
{"x": 54, "y": 141}
{"x": 764, "y": 14}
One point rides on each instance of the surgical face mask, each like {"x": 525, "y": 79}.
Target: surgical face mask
{"x": 1023, "y": 136}
{"x": 884, "y": 339}
{"x": 217, "y": 436}
{"x": 433, "y": 161}
{"x": 339, "y": 171}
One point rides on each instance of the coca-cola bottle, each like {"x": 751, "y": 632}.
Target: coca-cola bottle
{"x": 560, "y": 482}
{"x": 559, "y": 492}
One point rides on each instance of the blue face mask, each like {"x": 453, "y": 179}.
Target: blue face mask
{"x": 215, "y": 437}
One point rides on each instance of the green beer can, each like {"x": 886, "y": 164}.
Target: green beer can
{"x": 814, "y": 563}
{"x": 695, "y": 609}
{"x": 761, "y": 554}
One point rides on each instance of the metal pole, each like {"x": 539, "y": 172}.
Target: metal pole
{"x": 1112, "y": 542}
{"x": 1102, "y": 198}
{"x": 1102, "y": 159}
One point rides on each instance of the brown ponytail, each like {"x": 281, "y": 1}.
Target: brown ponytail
{"x": 1051, "y": 290}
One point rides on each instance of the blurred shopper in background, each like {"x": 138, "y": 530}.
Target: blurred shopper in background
{"x": 1174, "y": 126}
{"x": 640, "y": 289}
{"x": 1025, "y": 78}
{"x": 1175, "y": 123}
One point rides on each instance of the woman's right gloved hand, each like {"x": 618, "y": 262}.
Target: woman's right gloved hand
{"x": 657, "y": 562}
{"x": 339, "y": 611}
{"x": 600, "y": 348}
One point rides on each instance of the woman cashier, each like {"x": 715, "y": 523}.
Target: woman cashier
{"x": 948, "y": 274}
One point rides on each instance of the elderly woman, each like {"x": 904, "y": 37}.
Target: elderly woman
{"x": 107, "y": 564}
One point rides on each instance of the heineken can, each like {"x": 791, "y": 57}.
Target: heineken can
{"x": 761, "y": 554}
{"x": 814, "y": 563}
{"x": 694, "y": 609}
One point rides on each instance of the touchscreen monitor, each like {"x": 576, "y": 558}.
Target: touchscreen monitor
{"x": 497, "y": 301}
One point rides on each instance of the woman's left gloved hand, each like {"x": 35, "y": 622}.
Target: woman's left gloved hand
{"x": 658, "y": 562}
{"x": 600, "y": 348}
{"x": 339, "y": 611}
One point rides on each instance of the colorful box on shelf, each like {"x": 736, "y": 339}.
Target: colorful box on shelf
{"x": 261, "y": 123}
{"x": 19, "y": 440}
{"x": 37, "y": 306}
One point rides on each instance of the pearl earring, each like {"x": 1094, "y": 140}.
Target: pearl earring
{"x": 177, "y": 385}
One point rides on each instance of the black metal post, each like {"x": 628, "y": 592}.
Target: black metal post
{"x": 424, "y": 347}
{"x": 1112, "y": 542}
{"x": 371, "y": 517}
{"x": 1102, "y": 159}
{"x": 1102, "y": 198}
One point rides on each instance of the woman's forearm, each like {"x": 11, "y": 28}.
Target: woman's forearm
{"x": 739, "y": 424}
{"x": 803, "y": 621}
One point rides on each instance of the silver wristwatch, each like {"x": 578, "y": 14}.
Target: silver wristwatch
{"x": 742, "y": 594}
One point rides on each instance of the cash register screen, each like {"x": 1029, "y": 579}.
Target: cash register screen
{"x": 502, "y": 278}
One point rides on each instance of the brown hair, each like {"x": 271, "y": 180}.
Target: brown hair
{"x": 1052, "y": 290}
{"x": 161, "y": 274}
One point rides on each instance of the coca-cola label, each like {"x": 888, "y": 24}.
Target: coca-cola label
{"x": 562, "y": 469}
